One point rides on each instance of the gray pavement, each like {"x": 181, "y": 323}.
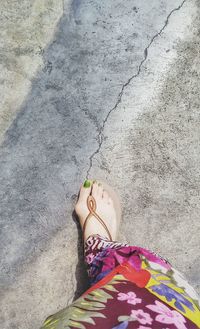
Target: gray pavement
{"x": 108, "y": 90}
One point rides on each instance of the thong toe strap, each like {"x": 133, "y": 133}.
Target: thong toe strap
{"x": 91, "y": 204}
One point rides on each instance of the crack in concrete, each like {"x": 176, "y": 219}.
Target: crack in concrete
{"x": 119, "y": 98}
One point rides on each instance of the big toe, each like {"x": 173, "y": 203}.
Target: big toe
{"x": 85, "y": 190}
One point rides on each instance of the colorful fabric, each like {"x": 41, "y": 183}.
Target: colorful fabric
{"x": 131, "y": 287}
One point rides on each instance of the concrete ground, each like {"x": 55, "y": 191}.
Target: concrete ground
{"x": 106, "y": 89}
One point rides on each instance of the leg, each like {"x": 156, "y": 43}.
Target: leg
{"x": 131, "y": 287}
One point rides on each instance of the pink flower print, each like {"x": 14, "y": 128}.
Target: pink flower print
{"x": 141, "y": 316}
{"x": 89, "y": 258}
{"x": 130, "y": 297}
{"x": 166, "y": 315}
{"x": 142, "y": 327}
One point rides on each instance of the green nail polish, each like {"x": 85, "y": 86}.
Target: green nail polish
{"x": 86, "y": 183}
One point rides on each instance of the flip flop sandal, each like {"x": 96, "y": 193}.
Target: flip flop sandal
{"x": 91, "y": 204}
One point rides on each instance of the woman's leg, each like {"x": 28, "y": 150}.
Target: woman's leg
{"x": 131, "y": 287}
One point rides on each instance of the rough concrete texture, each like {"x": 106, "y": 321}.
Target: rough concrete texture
{"x": 104, "y": 89}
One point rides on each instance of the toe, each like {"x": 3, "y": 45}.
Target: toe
{"x": 100, "y": 190}
{"x": 85, "y": 190}
{"x": 105, "y": 195}
{"x": 95, "y": 190}
{"x": 110, "y": 201}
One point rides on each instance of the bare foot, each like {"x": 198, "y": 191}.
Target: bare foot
{"x": 105, "y": 209}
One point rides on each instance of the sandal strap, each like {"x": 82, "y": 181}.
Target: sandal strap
{"x": 91, "y": 204}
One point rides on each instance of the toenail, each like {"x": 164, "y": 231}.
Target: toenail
{"x": 86, "y": 183}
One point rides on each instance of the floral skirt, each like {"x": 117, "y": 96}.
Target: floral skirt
{"x": 131, "y": 287}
